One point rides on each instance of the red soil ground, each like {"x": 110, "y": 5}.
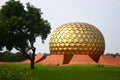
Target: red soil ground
{"x": 53, "y": 60}
{"x": 118, "y": 60}
{"x": 3, "y": 62}
{"x": 38, "y": 58}
{"x": 109, "y": 60}
{"x": 81, "y": 59}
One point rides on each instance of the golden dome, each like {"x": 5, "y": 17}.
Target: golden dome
{"x": 77, "y": 38}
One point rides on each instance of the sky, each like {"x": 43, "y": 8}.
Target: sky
{"x": 104, "y": 14}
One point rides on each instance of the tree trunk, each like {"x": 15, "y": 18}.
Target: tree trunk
{"x": 33, "y": 58}
{"x": 30, "y": 57}
{"x": 32, "y": 64}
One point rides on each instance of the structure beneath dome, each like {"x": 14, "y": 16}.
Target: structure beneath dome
{"x": 55, "y": 59}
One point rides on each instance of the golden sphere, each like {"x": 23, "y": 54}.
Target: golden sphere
{"x": 77, "y": 38}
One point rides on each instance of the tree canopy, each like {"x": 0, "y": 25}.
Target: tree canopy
{"x": 19, "y": 28}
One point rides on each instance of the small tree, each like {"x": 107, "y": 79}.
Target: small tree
{"x": 19, "y": 28}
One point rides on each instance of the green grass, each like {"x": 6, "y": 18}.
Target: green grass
{"x": 73, "y": 72}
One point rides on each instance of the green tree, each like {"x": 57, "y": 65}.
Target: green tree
{"x": 1, "y": 56}
{"x": 8, "y": 56}
{"x": 19, "y": 28}
{"x": 11, "y": 57}
{"x": 18, "y": 57}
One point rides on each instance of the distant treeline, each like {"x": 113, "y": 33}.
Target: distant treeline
{"x": 11, "y": 57}
{"x": 113, "y": 54}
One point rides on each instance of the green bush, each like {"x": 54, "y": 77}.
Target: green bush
{"x": 11, "y": 57}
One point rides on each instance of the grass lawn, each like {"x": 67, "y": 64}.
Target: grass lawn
{"x": 71, "y": 72}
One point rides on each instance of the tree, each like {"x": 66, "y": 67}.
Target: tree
{"x": 19, "y": 28}
{"x": 113, "y": 54}
{"x": 11, "y": 57}
{"x": 1, "y": 56}
{"x": 8, "y": 56}
{"x": 18, "y": 57}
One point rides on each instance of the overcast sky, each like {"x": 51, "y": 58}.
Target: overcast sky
{"x": 104, "y": 14}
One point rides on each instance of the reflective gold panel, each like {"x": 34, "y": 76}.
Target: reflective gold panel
{"x": 77, "y": 38}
